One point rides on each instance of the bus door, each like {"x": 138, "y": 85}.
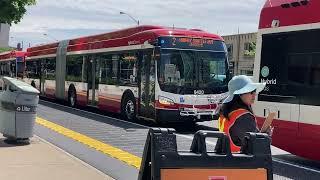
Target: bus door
{"x": 146, "y": 85}
{"x": 93, "y": 77}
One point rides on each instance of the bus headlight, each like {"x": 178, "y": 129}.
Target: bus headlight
{"x": 165, "y": 101}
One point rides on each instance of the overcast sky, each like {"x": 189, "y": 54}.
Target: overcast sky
{"x": 65, "y": 19}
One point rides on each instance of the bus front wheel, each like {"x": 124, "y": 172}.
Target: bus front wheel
{"x": 128, "y": 109}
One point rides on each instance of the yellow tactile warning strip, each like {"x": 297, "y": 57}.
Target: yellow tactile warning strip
{"x": 109, "y": 150}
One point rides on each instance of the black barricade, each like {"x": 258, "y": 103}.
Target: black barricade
{"x": 162, "y": 161}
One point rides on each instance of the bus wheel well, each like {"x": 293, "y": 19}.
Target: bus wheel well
{"x": 72, "y": 95}
{"x": 127, "y": 93}
{"x": 71, "y": 88}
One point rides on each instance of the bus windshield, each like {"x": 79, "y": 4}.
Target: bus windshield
{"x": 187, "y": 71}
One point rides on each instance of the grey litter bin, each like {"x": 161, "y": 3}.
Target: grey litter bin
{"x": 18, "y": 102}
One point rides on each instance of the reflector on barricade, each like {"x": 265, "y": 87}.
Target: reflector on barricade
{"x": 162, "y": 161}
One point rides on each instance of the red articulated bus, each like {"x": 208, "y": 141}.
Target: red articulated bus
{"x": 150, "y": 72}
{"x": 288, "y": 60}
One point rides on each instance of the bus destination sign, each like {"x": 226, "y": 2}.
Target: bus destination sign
{"x": 191, "y": 43}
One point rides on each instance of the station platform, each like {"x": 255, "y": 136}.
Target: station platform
{"x": 40, "y": 160}
{"x": 75, "y": 144}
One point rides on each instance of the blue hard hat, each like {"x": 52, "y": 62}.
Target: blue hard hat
{"x": 240, "y": 85}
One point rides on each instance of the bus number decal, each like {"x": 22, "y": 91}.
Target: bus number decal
{"x": 198, "y": 92}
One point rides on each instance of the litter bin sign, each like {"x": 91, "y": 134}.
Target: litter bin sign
{"x": 18, "y": 102}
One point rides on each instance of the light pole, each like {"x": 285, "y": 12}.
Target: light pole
{"x": 45, "y": 34}
{"x": 137, "y": 21}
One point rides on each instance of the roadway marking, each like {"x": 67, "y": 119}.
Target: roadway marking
{"x": 107, "y": 149}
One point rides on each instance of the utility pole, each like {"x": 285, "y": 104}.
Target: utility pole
{"x": 135, "y": 20}
{"x": 238, "y": 58}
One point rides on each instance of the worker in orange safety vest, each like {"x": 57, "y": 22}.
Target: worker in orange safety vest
{"x": 236, "y": 115}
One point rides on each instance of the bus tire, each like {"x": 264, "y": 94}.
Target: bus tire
{"x": 128, "y": 108}
{"x": 72, "y": 97}
{"x": 33, "y": 84}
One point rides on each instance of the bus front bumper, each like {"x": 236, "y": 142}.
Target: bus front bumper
{"x": 186, "y": 115}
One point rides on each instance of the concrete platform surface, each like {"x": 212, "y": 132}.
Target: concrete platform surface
{"x": 41, "y": 160}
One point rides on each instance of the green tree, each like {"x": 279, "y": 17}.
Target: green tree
{"x": 13, "y": 10}
{"x": 252, "y": 49}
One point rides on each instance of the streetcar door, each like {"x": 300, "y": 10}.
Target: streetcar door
{"x": 93, "y": 75}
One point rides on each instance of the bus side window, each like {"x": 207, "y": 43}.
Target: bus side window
{"x": 109, "y": 69}
{"x": 128, "y": 68}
